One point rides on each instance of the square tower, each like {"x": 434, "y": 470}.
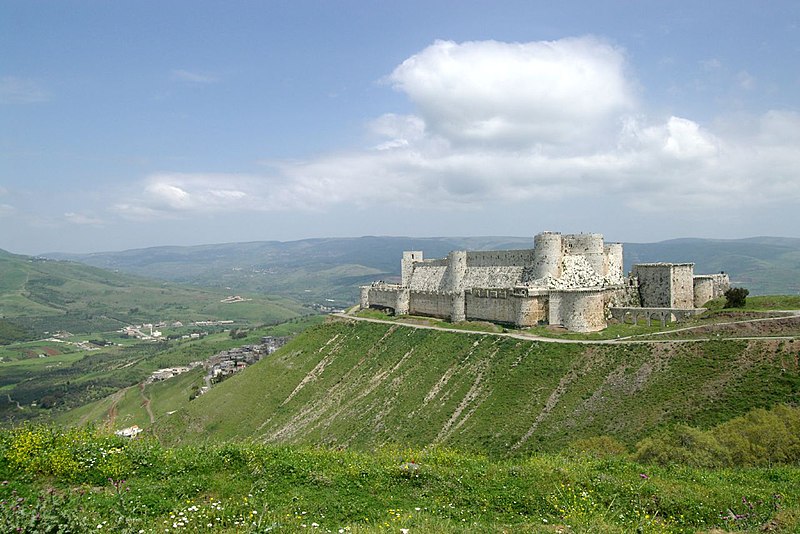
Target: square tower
{"x": 666, "y": 285}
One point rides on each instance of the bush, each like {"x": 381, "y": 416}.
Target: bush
{"x": 683, "y": 445}
{"x": 759, "y": 438}
{"x": 762, "y": 437}
{"x": 735, "y": 297}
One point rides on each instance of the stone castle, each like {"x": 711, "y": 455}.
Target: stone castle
{"x": 575, "y": 281}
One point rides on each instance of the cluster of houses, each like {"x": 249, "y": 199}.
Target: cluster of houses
{"x": 152, "y": 332}
{"x": 169, "y": 372}
{"x": 228, "y": 362}
{"x": 145, "y": 332}
{"x": 223, "y": 364}
{"x": 218, "y": 367}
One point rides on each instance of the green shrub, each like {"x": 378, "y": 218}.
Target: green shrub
{"x": 683, "y": 445}
{"x": 735, "y": 297}
{"x": 762, "y": 437}
{"x": 759, "y": 438}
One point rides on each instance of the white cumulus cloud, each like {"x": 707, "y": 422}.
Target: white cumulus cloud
{"x": 169, "y": 194}
{"x": 517, "y": 94}
{"x": 502, "y": 123}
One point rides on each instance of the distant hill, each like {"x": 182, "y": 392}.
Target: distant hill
{"x": 316, "y": 270}
{"x": 39, "y": 295}
{"x": 365, "y": 385}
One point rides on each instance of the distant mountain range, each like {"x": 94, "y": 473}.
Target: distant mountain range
{"x": 331, "y": 269}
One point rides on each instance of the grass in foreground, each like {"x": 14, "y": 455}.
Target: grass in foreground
{"x": 83, "y": 480}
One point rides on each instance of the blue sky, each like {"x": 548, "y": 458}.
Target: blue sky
{"x": 126, "y": 125}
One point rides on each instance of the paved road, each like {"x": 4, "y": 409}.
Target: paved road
{"x": 619, "y": 341}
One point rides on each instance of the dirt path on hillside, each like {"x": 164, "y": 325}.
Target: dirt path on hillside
{"x": 625, "y": 340}
{"x": 112, "y": 410}
{"x": 146, "y": 404}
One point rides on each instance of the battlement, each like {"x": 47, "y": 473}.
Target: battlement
{"x": 569, "y": 279}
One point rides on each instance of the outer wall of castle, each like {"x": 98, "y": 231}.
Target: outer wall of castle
{"x": 568, "y": 280}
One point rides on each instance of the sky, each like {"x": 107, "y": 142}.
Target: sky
{"x": 135, "y": 124}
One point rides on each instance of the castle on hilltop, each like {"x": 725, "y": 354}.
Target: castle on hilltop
{"x": 572, "y": 280}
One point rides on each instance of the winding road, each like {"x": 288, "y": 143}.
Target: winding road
{"x": 618, "y": 341}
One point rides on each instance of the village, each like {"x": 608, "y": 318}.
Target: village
{"x": 223, "y": 364}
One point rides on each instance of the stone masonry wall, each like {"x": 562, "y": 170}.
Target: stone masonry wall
{"x": 710, "y": 286}
{"x": 547, "y": 253}
{"x": 531, "y": 310}
{"x": 496, "y": 258}
{"x": 614, "y": 270}
{"x": 703, "y": 290}
{"x": 497, "y": 306}
{"x": 655, "y": 280}
{"x": 500, "y": 276}
{"x": 582, "y": 311}
{"x": 385, "y": 297}
{"x": 434, "y": 304}
{"x": 682, "y": 286}
{"x": 428, "y": 277}
{"x": 407, "y": 264}
{"x": 590, "y": 247}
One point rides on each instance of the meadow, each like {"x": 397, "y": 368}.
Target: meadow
{"x": 82, "y": 480}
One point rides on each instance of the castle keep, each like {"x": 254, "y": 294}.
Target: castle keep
{"x": 573, "y": 280}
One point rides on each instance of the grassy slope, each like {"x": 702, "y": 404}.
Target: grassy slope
{"x": 164, "y": 396}
{"x": 53, "y": 295}
{"x": 240, "y": 487}
{"x": 365, "y": 385}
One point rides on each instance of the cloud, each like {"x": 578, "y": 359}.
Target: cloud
{"x": 7, "y": 210}
{"x": 82, "y": 219}
{"x": 517, "y": 94}
{"x": 171, "y": 194}
{"x": 499, "y": 123}
{"x": 20, "y": 90}
{"x": 193, "y": 77}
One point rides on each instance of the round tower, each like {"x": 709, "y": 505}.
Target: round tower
{"x": 456, "y": 270}
{"x": 547, "y": 247}
{"x": 614, "y": 264}
{"x": 590, "y": 246}
{"x": 703, "y": 290}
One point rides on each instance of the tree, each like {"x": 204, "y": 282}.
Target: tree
{"x": 735, "y": 297}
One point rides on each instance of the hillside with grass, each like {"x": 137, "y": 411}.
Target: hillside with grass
{"x": 82, "y": 480}
{"x": 365, "y": 385}
{"x": 79, "y": 385}
{"x": 39, "y": 295}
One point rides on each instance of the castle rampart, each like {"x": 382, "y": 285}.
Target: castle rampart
{"x": 709, "y": 286}
{"x": 547, "y": 252}
{"x": 571, "y": 280}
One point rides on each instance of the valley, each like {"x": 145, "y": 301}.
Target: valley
{"x": 408, "y": 399}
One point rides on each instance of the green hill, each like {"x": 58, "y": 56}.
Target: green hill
{"x": 39, "y": 295}
{"x": 366, "y": 385}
